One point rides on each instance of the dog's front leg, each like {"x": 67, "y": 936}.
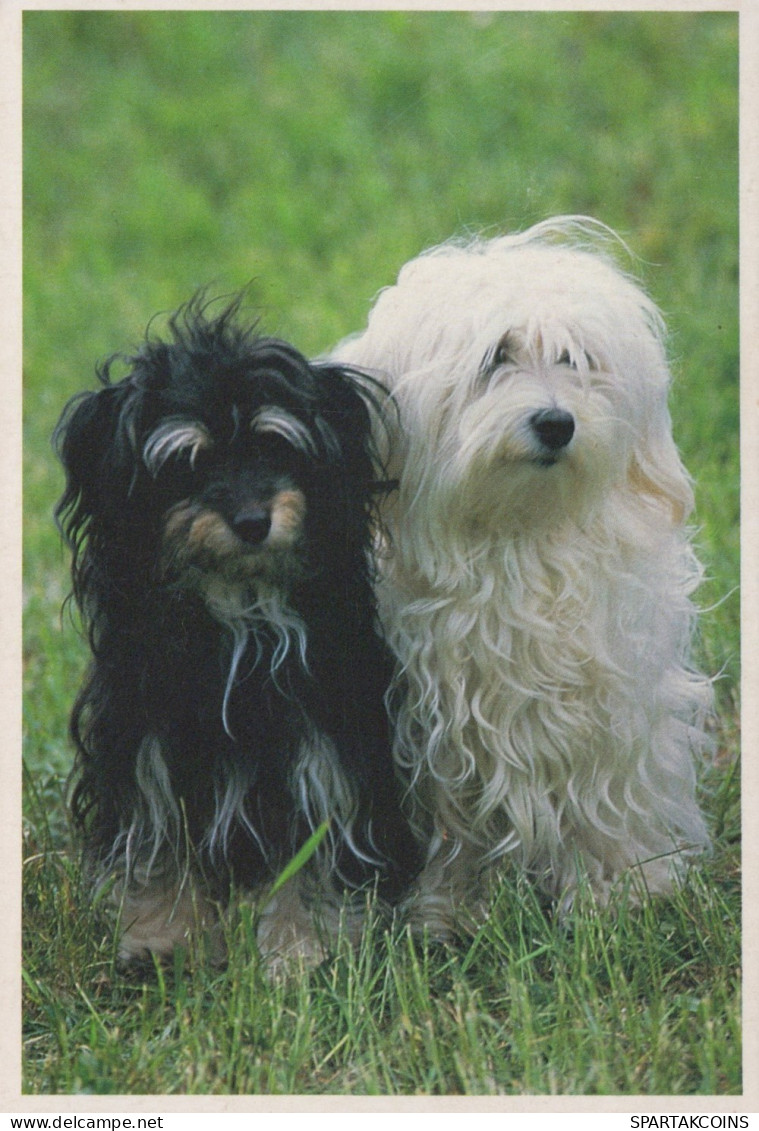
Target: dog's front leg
{"x": 450, "y": 894}
{"x": 164, "y": 912}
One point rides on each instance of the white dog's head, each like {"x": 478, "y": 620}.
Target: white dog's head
{"x": 531, "y": 379}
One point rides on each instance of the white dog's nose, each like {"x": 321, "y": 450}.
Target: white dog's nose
{"x": 554, "y": 428}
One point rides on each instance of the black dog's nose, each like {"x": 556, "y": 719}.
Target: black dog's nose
{"x": 252, "y": 526}
{"x": 554, "y": 428}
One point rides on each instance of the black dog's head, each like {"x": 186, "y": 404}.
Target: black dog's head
{"x": 221, "y": 459}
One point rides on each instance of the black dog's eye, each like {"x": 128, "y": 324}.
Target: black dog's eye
{"x": 184, "y": 471}
{"x": 177, "y": 474}
{"x": 270, "y": 447}
{"x": 285, "y": 430}
{"x": 189, "y": 461}
{"x": 198, "y": 460}
{"x": 174, "y": 444}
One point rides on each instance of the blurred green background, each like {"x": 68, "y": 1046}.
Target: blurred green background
{"x": 311, "y": 154}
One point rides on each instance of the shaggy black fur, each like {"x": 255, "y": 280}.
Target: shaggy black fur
{"x": 219, "y": 507}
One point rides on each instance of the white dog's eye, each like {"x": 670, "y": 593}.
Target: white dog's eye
{"x": 565, "y": 358}
{"x": 503, "y": 352}
{"x": 500, "y": 355}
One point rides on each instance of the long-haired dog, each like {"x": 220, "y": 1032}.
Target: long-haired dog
{"x": 537, "y": 588}
{"x": 219, "y": 505}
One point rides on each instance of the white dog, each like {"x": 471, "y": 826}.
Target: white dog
{"x": 537, "y": 586}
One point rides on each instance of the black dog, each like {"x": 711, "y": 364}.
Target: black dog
{"x": 219, "y": 506}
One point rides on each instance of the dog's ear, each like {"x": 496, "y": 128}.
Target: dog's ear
{"x": 351, "y": 415}
{"x": 95, "y": 441}
{"x": 657, "y": 473}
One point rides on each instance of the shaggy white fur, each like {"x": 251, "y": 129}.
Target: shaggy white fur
{"x": 538, "y": 579}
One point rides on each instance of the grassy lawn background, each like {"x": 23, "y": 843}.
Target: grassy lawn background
{"x": 311, "y": 154}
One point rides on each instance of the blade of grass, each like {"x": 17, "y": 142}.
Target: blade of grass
{"x": 301, "y": 857}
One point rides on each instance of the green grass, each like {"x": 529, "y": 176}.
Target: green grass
{"x": 312, "y": 154}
